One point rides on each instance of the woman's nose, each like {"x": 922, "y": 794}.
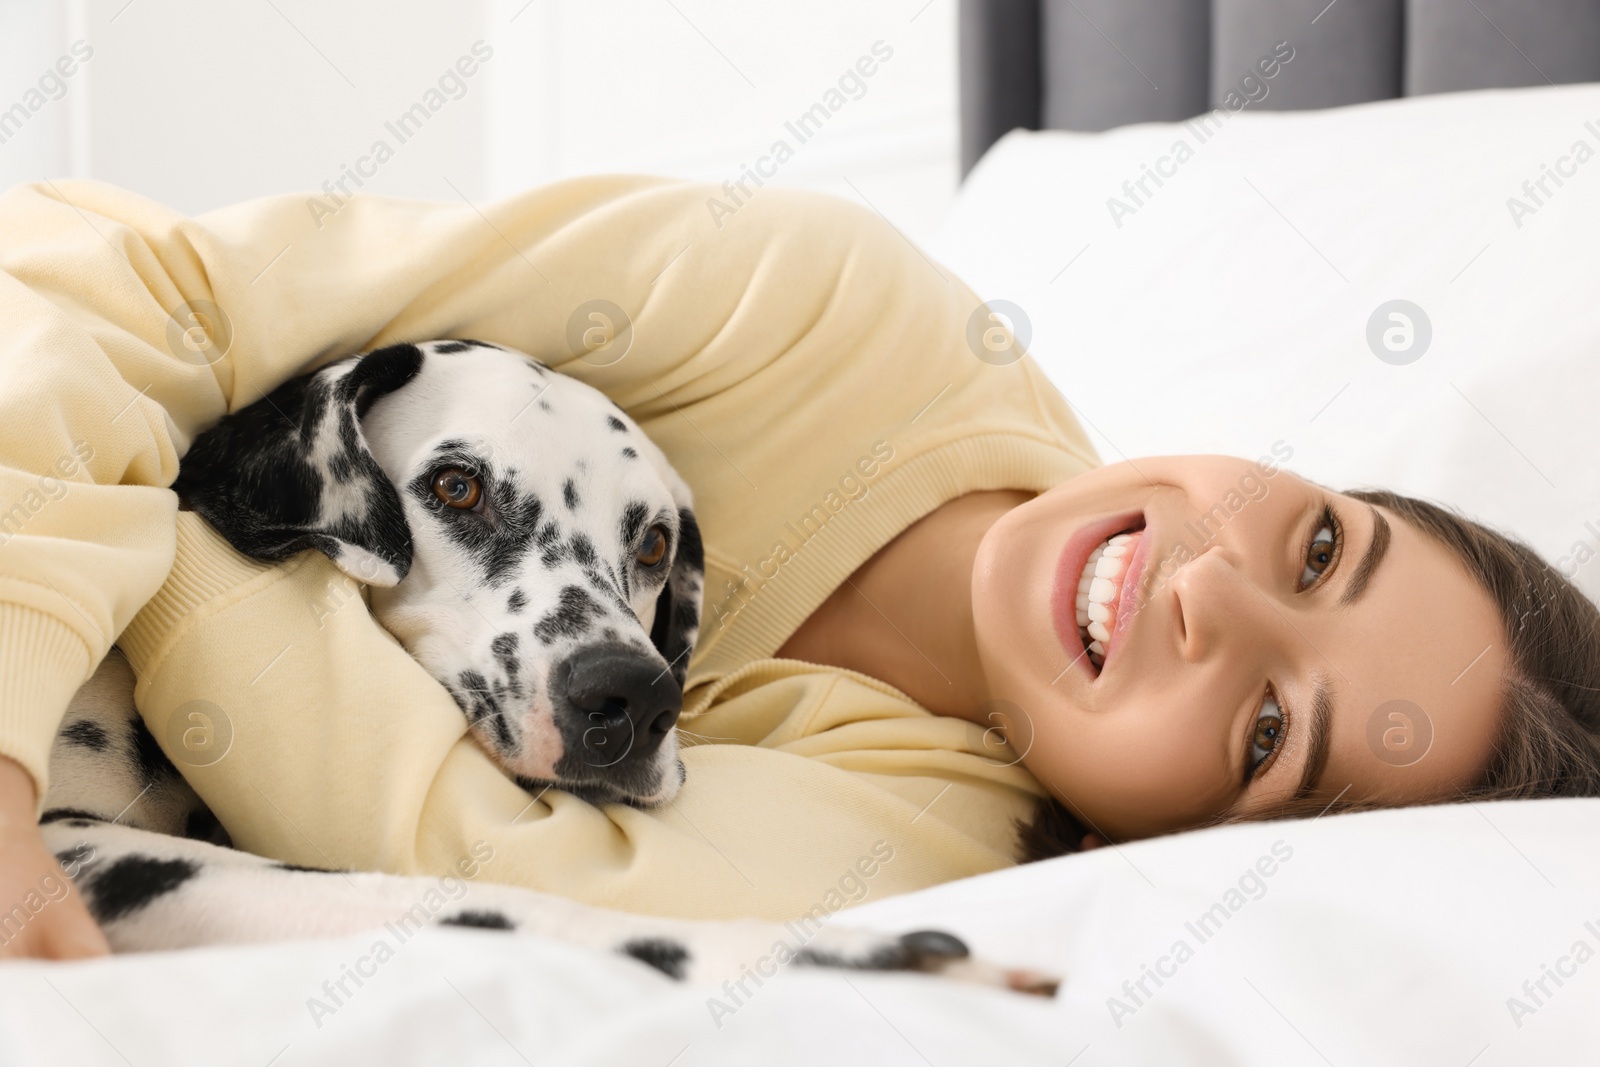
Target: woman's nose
{"x": 1215, "y": 604}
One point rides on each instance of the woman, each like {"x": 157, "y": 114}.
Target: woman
{"x": 896, "y": 534}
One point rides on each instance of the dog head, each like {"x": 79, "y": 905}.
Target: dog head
{"x": 527, "y": 544}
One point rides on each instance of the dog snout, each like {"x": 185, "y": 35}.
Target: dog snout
{"x": 626, "y": 703}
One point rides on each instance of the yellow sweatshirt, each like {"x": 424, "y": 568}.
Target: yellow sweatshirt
{"x": 808, "y": 370}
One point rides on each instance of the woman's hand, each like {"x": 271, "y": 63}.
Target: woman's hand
{"x": 42, "y": 915}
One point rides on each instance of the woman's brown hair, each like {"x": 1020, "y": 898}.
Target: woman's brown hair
{"x": 1548, "y": 741}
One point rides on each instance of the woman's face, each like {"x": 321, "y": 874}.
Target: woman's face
{"x": 1265, "y": 638}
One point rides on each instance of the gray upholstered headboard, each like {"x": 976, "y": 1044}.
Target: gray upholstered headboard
{"x": 1095, "y": 64}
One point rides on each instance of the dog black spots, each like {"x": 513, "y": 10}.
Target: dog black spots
{"x": 482, "y": 706}
{"x": 544, "y": 405}
{"x": 133, "y": 882}
{"x": 668, "y": 957}
{"x": 88, "y": 734}
{"x": 461, "y": 345}
{"x": 922, "y": 950}
{"x": 520, "y": 518}
{"x": 631, "y": 525}
{"x": 344, "y": 465}
{"x": 516, "y": 602}
{"x": 569, "y": 494}
{"x": 629, "y": 453}
{"x": 570, "y": 617}
{"x": 616, "y": 424}
{"x": 147, "y": 755}
{"x": 583, "y": 550}
{"x": 504, "y": 647}
{"x": 302, "y": 869}
{"x": 480, "y": 920}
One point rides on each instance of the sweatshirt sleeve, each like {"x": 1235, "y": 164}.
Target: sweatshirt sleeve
{"x": 99, "y": 394}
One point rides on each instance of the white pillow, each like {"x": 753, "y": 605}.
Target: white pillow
{"x": 1227, "y": 309}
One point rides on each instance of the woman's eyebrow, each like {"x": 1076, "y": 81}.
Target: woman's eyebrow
{"x": 1377, "y": 546}
{"x": 1317, "y": 736}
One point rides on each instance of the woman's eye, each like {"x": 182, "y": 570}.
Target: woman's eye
{"x": 654, "y": 548}
{"x": 1267, "y": 736}
{"x": 457, "y": 488}
{"x": 1320, "y": 554}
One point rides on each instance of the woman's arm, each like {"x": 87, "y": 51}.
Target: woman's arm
{"x": 41, "y": 914}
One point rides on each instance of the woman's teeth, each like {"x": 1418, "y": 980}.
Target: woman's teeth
{"x": 1097, "y": 594}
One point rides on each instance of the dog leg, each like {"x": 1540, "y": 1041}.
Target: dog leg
{"x": 151, "y": 891}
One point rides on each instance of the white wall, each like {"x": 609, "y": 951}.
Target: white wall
{"x": 203, "y": 104}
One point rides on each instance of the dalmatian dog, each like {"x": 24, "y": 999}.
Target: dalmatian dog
{"x": 538, "y": 555}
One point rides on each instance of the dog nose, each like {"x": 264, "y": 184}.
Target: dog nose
{"x": 628, "y": 703}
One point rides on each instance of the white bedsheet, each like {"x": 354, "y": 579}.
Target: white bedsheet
{"x": 1395, "y": 937}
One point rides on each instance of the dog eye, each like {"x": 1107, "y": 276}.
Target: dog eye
{"x": 457, "y": 489}
{"x": 654, "y": 548}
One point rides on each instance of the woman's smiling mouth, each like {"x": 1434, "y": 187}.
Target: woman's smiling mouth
{"x": 1100, "y": 590}
{"x": 1092, "y": 577}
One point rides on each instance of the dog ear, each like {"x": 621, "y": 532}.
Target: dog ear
{"x": 677, "y": 622}
{"x": 293, "y": 471}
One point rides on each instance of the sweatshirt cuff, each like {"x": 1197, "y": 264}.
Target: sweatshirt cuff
{"x": 42, "y": 663}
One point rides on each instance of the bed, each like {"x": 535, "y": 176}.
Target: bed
{"x": 1389, "y": 159}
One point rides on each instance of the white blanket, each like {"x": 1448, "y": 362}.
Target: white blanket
{"x": 1452, "y": 935}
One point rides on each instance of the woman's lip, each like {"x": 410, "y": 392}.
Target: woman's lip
{"x": 1128, "y": 604}
{"x": 1069, "y": 568}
